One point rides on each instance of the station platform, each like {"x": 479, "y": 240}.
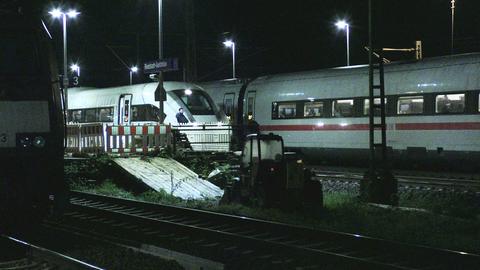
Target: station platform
{"x": 170, "y": 176}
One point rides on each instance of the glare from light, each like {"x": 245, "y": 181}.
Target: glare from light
{"x": 195, "y": 124}
{"x": 343, "y": 124}
{"x": 320, "y": 124}
{"x": 188, "y": 92}
{"x": 228, "y": 43}
{"x": 219, "y": 124}
{"x": 56, "y": 13}
{"x": 72, "y": 13}
{"x": 134, "y": 69}
{"x": 345, "y": 101}
{"x": 342, "y": 24}
{"x": 74, "y": 67}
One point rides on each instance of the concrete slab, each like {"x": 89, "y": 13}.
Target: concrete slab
{"x": 170, "y": 176}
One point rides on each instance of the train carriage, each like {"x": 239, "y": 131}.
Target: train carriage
{"x": 31, "y": 121}
{"x": 432, "y": 106}
{"x": 135, "y": 104}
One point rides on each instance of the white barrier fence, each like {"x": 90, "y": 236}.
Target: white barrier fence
{"x": 105, "y": 138}
{"x": 216, "y": 138}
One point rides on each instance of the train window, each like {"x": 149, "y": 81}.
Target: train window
{"x": 250, "y": 105}
{"x": 410, "y": 105}
{"x": 18, "y": 54}
{"x": 287, "y": 110}
{"x": 453, "y": 103}
{"x": 76, "y": 116}
{"x": 91, "y": 115}
{"x": 106, "y": 115}
{"x": 145, "y": 113}
{"x": 313, "y": 109}
{"x": 196, "y": 101}
{"x": 19, "y": 62}
{"x": 228, "y": 106}
{"x": 342, "y": 108}
{"x": 376, "y": 101}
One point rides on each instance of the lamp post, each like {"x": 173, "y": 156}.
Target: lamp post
{"x": 231, "y": 44}
{"x": 57, "y": 13}
{"x": 453, "y": 20}
{"x": 343, "y": 25}
{"x": 133, "y": 69}
{"x": 160, "y": 55}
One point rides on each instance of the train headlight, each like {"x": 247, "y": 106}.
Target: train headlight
{"x": 39, "y": 142}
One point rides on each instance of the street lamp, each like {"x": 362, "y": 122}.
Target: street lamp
{"x": 57, "y": 13}
{"x": 160, "y": 56}
{"x": 231, "y": 44}
{"x": 343, "y": 25}
{"x": 133, "y": 69}
{"x": 75, "y": 68}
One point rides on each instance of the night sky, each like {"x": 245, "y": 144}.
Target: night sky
{"x": 271, "y": 36}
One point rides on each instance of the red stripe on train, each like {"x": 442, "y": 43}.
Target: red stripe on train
{"x": 439, "y": 126}
{"x": 358, "y": 127}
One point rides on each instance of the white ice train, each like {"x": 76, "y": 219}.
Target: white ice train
{"x": 135, "y": 104}
{"x": 432, "y": 106}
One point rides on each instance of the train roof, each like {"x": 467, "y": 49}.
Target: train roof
{"x": 169, "y": 86}
{"x": 82, "y": 97}
{"x": 398, "y": 66}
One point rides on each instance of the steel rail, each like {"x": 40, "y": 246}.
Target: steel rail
{"x": 35, "y": 257}
{"x": 434, "y": 181}
{"x": 263, "y": 238}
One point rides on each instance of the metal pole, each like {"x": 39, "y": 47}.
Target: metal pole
{"x": 453, "y": 20}
{"x": 348, "y": 45}
{"x": 160, "y": 54}
{"x": 65, "y": 74}
{"x": 130, "y": 77}
{"x": 233, "y": 57}
{"x": 370, "y": 82}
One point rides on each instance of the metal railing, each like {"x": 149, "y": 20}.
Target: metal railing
{"x": 105, "y": 138}
{"x": 207, "y": 137}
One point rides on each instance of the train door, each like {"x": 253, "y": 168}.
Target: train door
{"x": 125, "y": 109}
{"x": 250, "y": 106}
{"x": 228, "y": 106}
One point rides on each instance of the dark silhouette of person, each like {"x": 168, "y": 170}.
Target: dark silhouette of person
{"x": 181, "y": 119}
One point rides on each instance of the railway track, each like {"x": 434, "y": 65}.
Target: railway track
{"x": 457, "y": 182}
{"x": 17, "y": 254}
{"x": 245, "y": 243}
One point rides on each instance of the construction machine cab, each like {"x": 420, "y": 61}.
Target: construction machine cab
{"x": 272, "y": 178}
{"x": 259, "y": 152}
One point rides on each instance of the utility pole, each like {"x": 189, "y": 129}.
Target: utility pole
{"x": 190, "y": 39}
{"x": 378, "y": 184}
{"x": 160, "y": 57}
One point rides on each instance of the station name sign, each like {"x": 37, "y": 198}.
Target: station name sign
{"x": 168, "y": 64}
